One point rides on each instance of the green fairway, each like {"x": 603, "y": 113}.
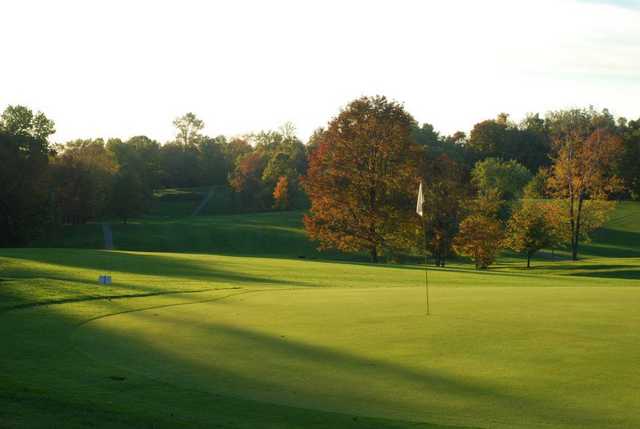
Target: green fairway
{"x": 239, "y": 339}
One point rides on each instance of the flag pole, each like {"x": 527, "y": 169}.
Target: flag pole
{"x": 420, "y": 211}
{"x": 426, "y": 266}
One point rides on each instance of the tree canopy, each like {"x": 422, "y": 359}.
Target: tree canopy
{"x": 362, "y": 178}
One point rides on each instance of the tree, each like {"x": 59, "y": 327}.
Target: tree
{"x": 526, "y": 143}
{"x": 362, "y": 179}
{"x": 236, "y": 149}
{"x": 281, "y": 194}
{"x": 444, "y": 192}
{"x": 507, "y": 177}
{"x": 82, "y": 176}
{"x": 246, "y": 182}
{"x": 140, "y": 154}
{"x": 586, "y": 150}
{"x": 436, "y": 145}
{"x": 533, "y": 144}
{"x": 129, "y": 195}
{"x": 534, "y": 225}
{"x": 23, "y": 187}
{"x": 537, "y": 186}
{"x": 20, "y": 120}
{"x": 213, "y": 165}
{"x": 479, "y": 238}
{"x": 480, "y": 233}
{"x": 594, "y": 214}
{"x": 24, "y": 152}
{"x": 489, "y": 138}
{"x": 189, "y": 127}
{"x": 179, "y": 165}
{"x": 629, "y": 166}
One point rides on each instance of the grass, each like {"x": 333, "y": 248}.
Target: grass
{"x": 270, "y": 234}
{"x": 250, "y": 337}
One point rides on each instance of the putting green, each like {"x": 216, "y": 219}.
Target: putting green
{"x": 507, "y": 357}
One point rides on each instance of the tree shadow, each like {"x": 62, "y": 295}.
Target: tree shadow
{"x": 613, "y": 243}
{"x": 171, "y": 267}
{"x": 578, "y": 266}
{"x": 136, "y": 400}
{"x": 628, "y": 274}
{"x": 351, "y": 374}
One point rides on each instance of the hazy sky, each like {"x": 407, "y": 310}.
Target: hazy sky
{"x": 123, "y": 68}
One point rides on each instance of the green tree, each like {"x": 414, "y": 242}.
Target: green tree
{"x": 20, "y": 120}
{"x": 140, "y": 154}
{"x": 213, "y": 164}
{"x": 129, "y": 196}
{"x": 436, "y": 145}
{"x": 527, "y": 142}
{"x": 444, "y": 192}
{"x": 537, "y": 186}
{"x": 23, "y": 188}
{"x": 24, "y": 196}
{"x": 179, "y": 165}
{"x": 507, "y": 177}
{"x": 629, "y": 166}
{"x": 533, "y": 226}
{"x": 82, "y": 175}
{"x": 189, "y": 128}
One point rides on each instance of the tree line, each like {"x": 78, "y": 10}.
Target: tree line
{"x": 541, "y": 183}
{"x": 45, "y": 185}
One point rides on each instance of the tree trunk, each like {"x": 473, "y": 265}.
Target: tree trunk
{"x": 528, "y": 260}
{"x": 576, "y": 233}
{"x": 374, "y": 254}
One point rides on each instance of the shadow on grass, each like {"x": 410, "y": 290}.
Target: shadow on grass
{"x": 577, "y": 265}
{"x": 347, "y": 379}
{"x": 178, "y": 267}
{"x": 628, "y": 274}
{"x": 613, "y": 243}
{"x": 34, "y": 391}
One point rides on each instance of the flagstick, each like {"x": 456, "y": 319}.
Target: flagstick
{"x": 426, "y": 268}
{"x": 419, "y": 210}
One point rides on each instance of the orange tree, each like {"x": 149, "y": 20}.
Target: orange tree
{"x": 480, "y": 234}
{"x": 361, "y": 179}
{"x": 479, "y": 238}
{"x": 586, "y": 151}
{"x": 281, "y": 194}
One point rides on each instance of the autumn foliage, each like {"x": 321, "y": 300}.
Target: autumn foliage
{"x": 361, "y": 179}
{"x": 586, "y": 153}
{"x": 481, "y": 233}
{"x": 479, "y": 238}
{"x": 281, "y": 194}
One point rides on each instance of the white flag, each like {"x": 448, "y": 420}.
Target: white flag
{"x": 420, "y": 200}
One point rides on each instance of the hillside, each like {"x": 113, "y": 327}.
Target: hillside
{"x": 170, "y": 227}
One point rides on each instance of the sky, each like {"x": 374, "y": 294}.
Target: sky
{"x": 124, "y": 68}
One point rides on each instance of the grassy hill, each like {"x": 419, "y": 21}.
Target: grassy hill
{"x": 170, "y": 227}
{"x": 254, "y": 336}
